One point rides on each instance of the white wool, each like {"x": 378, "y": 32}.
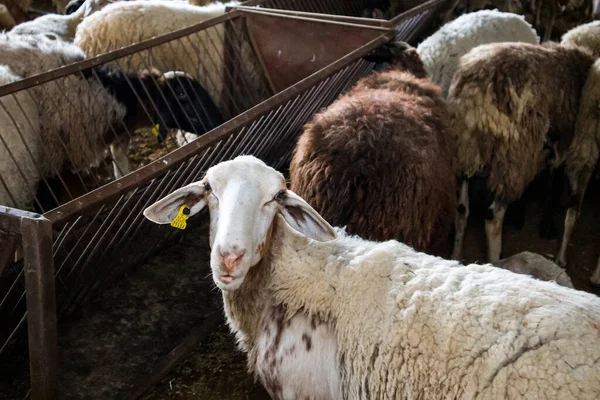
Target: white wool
{"x": 124, "y": 23}
{"x": 45, "y": 126}
{"x": 411, "y": 325}
{"x": 441, "y": 51}
{"x": 58, "y": 26}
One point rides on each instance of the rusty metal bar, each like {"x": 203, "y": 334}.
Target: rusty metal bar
{"x": 322, "y": 16}
{"x": 353, "y": 22}
{"x": 36, "y": 236}
{"x": 430, "y": 5}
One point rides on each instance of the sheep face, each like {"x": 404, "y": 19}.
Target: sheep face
{"x": 244, "y": 197}
{"x": 185, "y": 105}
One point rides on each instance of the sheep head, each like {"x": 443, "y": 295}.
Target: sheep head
{"x": 244, "y": 197}
{"x": 182, "y": 103}
{"x": 398, "y": 55}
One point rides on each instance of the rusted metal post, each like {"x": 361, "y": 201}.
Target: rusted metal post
{"x": 41, "y": 307}
{"x": 36, "y": 238}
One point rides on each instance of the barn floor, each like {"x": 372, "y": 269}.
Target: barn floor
{"x": 115, "y": 342}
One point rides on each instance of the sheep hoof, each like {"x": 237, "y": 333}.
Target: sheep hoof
{"x": 548, "y": 230}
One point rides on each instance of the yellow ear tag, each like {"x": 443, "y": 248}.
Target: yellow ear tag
{"x": 155, "y": 130}
{"x": 180, "y": 220}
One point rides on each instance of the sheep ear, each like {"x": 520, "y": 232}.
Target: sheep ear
{"x": 303, "y": 218}
{"x": 165, "y": 210}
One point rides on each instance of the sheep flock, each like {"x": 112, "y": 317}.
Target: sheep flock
{"x": 346, "y": 279}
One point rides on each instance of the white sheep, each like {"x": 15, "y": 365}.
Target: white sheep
{"x": 74, "y": 5}
{"x": 327, "y": 316}
{"x": 57, "y": 26}
{"x": 77, "y": 117}
{"x": 441, "y": 51}
{"x": 585, "y": 35}
{"x": 127, "y": 22}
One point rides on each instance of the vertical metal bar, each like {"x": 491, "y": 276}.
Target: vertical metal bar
{"x": 41, "y": 307}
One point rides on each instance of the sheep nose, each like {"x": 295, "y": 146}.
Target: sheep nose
{"x": 231, "y": 259}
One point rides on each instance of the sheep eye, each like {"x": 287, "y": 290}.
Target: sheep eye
{"x": 207, "y": 187}
{"x": 280, "y": 195}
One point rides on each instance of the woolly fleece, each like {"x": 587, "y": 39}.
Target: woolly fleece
{"x": 124, "y": 23}
{"x": 503, "y": 117}
{"x": 379, "y": 160}
{"x": 74, "y": 114}
{"x": 586, "y": 35}
{"x": 441, "y": 51}
{"x": 411, "y": 325}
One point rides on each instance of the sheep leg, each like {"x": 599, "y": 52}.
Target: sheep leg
{"x": 462, "y": 216}
{"x": 550, "y": 24}
{"x": 493, "y": 229}
{"x": 538, "y": 11}
{"x": 121, "y": 163}
{"x": 570, "y": 219}
{"x": 579, "y": 187}
{"x": 595, "y": 278}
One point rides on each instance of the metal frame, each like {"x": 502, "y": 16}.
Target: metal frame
{"x": 350, "y": 12}
{"x": 34, "y": 232}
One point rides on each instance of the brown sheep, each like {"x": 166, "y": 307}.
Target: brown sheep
{"x": 513, "y": 108}
{"x": 379, "y": 159}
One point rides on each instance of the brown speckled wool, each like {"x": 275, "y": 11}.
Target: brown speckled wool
{"x": 379, "y": 161}
{"x": 507, "y": 101}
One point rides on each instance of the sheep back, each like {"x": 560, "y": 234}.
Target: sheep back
{"x": 441, "y": 51}
{"x": 124, "y": 23}
{"x": 507, "y": 100}
{"x": 411, "y": 325}
{"x": 378, "y": 162}
{"x": 586, "y": 35}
